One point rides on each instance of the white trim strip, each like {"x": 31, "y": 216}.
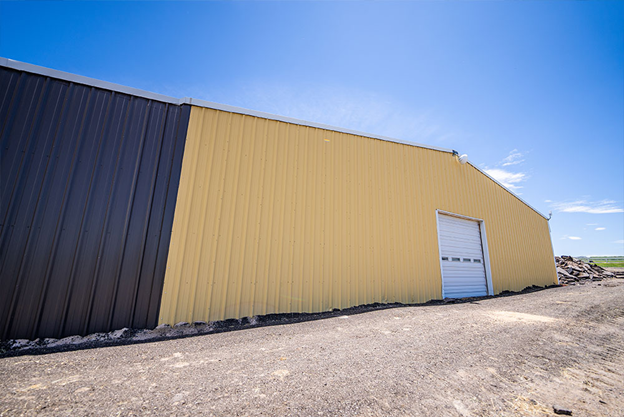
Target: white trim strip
{"x": 263, "y": 115}
{"x": 486, "y": 258}
{"x": 36, "y": 69}
{"x": 553, "y": 252}
{"x": 440, "y": 251}
{"x": 66, "y": 76}
{"x": 461, "y": 216}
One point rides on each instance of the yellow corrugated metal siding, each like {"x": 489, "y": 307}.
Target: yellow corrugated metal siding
{"x": 273, "y": 217}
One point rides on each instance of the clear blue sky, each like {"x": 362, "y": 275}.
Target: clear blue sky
{"x": 532, "y": 91}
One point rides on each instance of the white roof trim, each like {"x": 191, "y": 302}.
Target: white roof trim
{"x": 48, "y": 72}
{"x": 66, "y": 76}
{"x": 263, "y": 115}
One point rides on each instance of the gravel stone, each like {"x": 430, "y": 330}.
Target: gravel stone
{"x": 561, "y": 410}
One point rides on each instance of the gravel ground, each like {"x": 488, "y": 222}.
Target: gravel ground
{"x": 505, "y": 356}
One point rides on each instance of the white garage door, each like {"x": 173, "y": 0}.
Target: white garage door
{"x": 463, "y": 266}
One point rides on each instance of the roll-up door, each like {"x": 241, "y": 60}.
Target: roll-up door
{"x": 462, "y": 260}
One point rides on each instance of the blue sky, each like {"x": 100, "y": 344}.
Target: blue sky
{"x": 532, "y": 91}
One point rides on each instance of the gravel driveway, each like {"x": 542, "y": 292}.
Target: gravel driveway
{"x": 504, "y": 356}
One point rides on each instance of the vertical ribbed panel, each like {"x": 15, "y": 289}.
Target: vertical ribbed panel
{"x": 274, "y": 217}
{"x": 88, "y": 190}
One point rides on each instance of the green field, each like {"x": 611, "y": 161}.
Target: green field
{"x": 610, "y": 264}
{"x": 605, "y": 261}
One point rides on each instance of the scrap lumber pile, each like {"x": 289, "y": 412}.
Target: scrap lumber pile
{"x": 573, "y": 271}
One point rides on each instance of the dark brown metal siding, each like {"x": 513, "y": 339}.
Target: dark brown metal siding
{"x": 89, "y": 180}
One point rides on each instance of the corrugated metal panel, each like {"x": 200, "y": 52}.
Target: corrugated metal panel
{"x": 89, "y": 184}
{"x": 274, "y": 217}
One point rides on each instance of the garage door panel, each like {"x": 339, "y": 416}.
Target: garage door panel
{"x": 465, "y": 294}
{"x": 460, "y": 291}
{"x": 461, "y": 228}
{"x": 461, "y": 265}
{"x": 460, "y": 239}
{"x": 450, "y": 239}
{"x": 462, "y": 273}
{"x": 452, "y": 243}
{"x": 456, "y": 237}
{"x": 459, "y": 244}
{"x": 457, "y": 266}
{"x": 465, "y": 282}
{"x": 453, "y": 251}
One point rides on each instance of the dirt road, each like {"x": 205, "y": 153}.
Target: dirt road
{"x": 507, "y": 356}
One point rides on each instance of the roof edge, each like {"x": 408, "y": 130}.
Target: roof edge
{"x": 74, "y": 78}
{"x": 233, "y": 109}
{"x": 67, "y": 76}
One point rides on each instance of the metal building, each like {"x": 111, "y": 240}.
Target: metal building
{"x": 103, "y": 185}
{"x": 89, "y": 183}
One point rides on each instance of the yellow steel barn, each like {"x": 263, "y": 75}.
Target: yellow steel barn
{"x": 277, "y": 216}
{"x": 125, "y": 208}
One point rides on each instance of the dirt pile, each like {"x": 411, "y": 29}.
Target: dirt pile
{"x": 573, "y": 271}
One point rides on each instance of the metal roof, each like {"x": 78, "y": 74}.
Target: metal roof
{"x": 22, "y": 66}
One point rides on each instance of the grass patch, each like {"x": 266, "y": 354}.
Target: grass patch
{"x": 610, "y": 264}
